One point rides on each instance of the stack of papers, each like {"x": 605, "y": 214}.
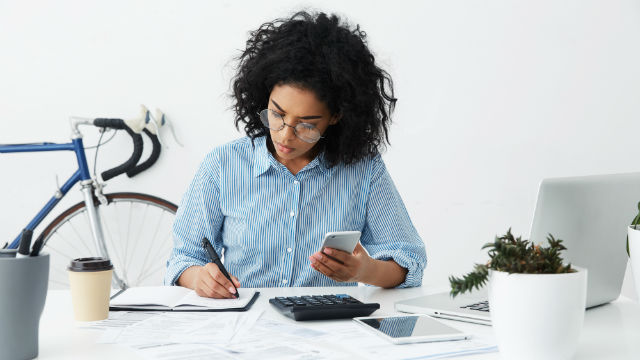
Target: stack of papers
{"x": 247, "y": 335}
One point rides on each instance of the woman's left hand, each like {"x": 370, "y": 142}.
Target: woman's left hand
{"x": 342, "y": 266}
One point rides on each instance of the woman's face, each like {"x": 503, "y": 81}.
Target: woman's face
{"x": 297, "y": 105}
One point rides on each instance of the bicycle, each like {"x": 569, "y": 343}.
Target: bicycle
{"x": 119, "y": 223}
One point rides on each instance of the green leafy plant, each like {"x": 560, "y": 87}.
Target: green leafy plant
{"x": 513, "y": 255}
{"x": 634, "y": 224}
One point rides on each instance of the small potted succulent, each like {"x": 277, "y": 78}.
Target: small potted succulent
{"x": 536, "y": 301}
{"x": 633, "y": 248}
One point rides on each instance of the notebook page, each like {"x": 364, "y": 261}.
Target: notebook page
{"x": 192, "y": 299}
{"x": 150, "y": 295}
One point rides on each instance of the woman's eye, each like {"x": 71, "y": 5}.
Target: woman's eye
{"x": 307, "y": 126}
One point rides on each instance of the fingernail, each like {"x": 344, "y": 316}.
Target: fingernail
{"x": 328, "y": 251}
{"x": 232, "y": 290}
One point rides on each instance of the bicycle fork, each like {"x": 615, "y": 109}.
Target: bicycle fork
{"x": 96, "y": 228}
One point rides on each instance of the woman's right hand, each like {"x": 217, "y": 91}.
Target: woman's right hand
{"x": 208, "y": 281}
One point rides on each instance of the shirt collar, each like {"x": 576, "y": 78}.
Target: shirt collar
{"x": 263, "y": 159}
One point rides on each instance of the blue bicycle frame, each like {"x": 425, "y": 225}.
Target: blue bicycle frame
{"x": 80, "y": 175}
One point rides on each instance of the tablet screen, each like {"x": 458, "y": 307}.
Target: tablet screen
{"x": 409, "y": 326}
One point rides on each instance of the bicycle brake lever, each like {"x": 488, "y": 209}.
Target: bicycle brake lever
{"x": 165, "y": 122}
{"x": 153, "y": 127}
{"x": 138, "y": 123}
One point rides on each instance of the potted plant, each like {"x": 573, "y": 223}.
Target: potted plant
{"x": 537, "y": 302}
{"x": 633, "y": 249}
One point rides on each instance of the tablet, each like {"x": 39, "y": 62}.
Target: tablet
{"x": 401, "y": 329}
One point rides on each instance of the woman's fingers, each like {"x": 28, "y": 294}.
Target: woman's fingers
{"x": 330, "y": 267}
{"x": 325, "y": 270}
{"x": 339, "y": 255}
{"x": 220, "y": 286}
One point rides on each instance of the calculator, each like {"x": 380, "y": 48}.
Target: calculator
{"x": 322, "y": 307}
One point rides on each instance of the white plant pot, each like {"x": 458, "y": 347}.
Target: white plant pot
{"x": 537, "y": 316}
{"x": 634, "y": 255}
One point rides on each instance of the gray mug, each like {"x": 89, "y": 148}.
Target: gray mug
{"x": 23, "y": 291}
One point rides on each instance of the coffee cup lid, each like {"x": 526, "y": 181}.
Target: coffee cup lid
{"x": 90, "y": 264}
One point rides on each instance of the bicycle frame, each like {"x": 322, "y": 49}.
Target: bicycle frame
{"x": 80, "y": 175}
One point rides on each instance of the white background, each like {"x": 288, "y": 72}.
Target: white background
{"x": 493, "y": 97}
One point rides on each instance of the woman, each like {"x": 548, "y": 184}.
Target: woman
{"x": 316, "y": 110}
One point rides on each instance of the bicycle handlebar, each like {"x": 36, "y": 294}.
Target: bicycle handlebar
{"x": 155, "y": 154}
{"x": 130, "y": 164}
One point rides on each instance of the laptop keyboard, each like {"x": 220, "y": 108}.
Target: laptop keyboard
{"x": 481, "y": 306}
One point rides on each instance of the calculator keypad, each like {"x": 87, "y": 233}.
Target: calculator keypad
{"x": 317, "y": 300}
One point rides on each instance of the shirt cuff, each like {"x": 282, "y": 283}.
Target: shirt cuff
{"x": 415, "y": 268}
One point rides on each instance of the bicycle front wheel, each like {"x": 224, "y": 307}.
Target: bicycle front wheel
{"x": 137, "y": 234}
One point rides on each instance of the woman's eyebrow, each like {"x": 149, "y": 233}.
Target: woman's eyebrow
{"x": 311, "y": 117}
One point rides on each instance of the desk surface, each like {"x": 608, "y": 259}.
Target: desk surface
{"x": 611, "y": 331}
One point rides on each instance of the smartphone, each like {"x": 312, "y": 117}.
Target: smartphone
{"x": 411, "y": 329}
{"x": 341, "y": 240}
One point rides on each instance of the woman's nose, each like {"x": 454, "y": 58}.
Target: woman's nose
{"x": 288, "y": 131}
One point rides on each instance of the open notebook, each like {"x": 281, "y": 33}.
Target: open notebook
{"x": 177, "y": 298}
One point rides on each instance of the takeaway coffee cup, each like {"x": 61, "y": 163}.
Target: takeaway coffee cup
{"x": 90, "y": 280}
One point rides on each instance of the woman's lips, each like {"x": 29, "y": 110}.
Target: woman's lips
{"x": 283, "y": 149}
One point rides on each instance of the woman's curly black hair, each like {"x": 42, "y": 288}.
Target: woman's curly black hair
{"x": 318, "y": 53}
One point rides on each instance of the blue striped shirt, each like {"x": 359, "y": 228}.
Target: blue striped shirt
{"x": 266, "y": 222}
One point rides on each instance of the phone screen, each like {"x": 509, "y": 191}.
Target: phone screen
{"x": 409, "y": 326}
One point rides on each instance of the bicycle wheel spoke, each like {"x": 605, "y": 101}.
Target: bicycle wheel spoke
{"x": 162, "y": 249}
{"x": 136, "y": 231}
{"x": 108, "y": 236}
{"x": 80, "y": 238}
{"x": 127, "y": 243}
{"x": 66, "y": 242}
{"x": 159, "y": 251}
{"x": 146, "y": 275}
{"x": 140, "y": 226}
{"x": 152, "y": 241}
{"x": 118, "y": 233}
{"x": 58, "y": 282}
{"x": 58, "y": 273}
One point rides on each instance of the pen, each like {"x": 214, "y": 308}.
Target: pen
{"x": 25, "y": 243}
{"x": 213, "y": 255}
{"x": 37, "y": 245}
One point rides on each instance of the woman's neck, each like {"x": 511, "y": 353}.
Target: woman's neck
{"x": 297, "y": 164}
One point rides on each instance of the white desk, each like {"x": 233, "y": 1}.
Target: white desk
{"x": 610, "y": 331}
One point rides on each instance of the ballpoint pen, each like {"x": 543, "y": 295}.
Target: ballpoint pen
{"x": 25, "y": 243}
{"x": 213, "y": 255}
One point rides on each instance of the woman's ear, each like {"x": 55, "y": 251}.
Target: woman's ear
{"x": 335, "y": 119}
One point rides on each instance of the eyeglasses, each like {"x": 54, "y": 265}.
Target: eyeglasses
{"x": 274, "y": 121}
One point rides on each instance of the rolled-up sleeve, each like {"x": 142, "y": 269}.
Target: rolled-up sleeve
{"x": 198, "y": 216}
{"x": 389, "y": 233}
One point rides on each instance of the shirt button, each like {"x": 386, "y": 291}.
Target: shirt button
{"x": 296, "y": 182}
{"x": 292, "y": 214}
{"x": 289, "y": 250}
{"x": 284, "y": 281}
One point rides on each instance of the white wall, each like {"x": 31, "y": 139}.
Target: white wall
{"x": 494, "y": 96}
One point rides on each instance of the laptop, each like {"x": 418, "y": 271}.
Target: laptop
{"x": 590, "y": 214}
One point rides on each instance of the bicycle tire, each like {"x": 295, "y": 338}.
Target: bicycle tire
{"x": 139, "y": 260}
